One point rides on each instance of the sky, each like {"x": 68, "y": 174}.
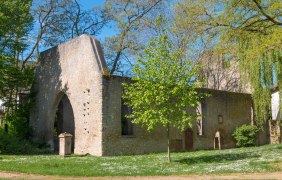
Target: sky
{"x": 91, "y": 3}
{"x": 107, "y": 31}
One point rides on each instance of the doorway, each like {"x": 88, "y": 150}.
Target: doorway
{"x": 217, "y": 140}
{"x": 188, "y": 139}
{"x": 64, "y": 122}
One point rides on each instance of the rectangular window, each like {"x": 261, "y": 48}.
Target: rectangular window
{"x": 126, "y": 124}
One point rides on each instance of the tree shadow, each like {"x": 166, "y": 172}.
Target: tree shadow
{"x": 218, "y": 158}
{"x": 47, "y": 87}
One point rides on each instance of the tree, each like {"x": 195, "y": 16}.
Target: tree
{"x": 163, "y": 91}
{"x": 249, "y": 30}
{"x": 16, "y": 23}
{"x": 128, "y": 16}
{"x": 61, "y": 20}
{"x": 27, "y": 26}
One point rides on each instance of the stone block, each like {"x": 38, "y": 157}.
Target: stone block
{"x": 65, "y": 144}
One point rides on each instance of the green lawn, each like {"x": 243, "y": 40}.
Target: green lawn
{"x": 242, "y": 160}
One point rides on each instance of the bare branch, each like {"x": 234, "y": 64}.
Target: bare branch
{"x": 127, "y": 29}
{"x": 77, "y": 18}
{"x": 40, "y": 34}
{"x": 266, "y": 15}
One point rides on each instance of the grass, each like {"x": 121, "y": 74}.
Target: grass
{"x": 266, "y": 158}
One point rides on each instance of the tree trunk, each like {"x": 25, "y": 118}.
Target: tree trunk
{"x": 168, "y": 148}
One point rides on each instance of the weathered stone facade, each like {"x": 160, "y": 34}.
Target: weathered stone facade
{"x": 274, "y": 123}
{"x": 221, "y": 71}
{"x": 75, "y": 94}
{"x": 74, "y": 69}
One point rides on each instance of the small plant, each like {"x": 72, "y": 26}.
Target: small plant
{"x": 245, "y": 135}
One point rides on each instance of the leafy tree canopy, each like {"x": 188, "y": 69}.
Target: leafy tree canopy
{"x": 16, "y": 23}
{"x": 163, "y": 91}
{"x": 249, "y": 30}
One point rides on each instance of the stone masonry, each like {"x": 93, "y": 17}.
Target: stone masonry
{"x": 75, "y": 69}
{"x": 74, "y": 76}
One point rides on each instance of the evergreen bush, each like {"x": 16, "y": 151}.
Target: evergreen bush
{"x": 246, "y": 135}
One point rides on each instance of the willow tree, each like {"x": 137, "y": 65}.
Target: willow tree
{"x": 163, "y": 88}
{"x": 251, "y": 31}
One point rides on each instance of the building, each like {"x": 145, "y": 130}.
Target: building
{"x": 75, "y": 94}
{"x": 221, "y": 71}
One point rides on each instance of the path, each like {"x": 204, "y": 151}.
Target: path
{"x": 204, "y": 177}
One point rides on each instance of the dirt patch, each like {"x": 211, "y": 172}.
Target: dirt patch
{"x": 204, "y": 177}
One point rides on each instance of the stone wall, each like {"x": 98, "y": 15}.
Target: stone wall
{"x": 274, "y": 131}
{"x": 78, "y": 70}
{"x": 234, "y": 109}
{"x": 113, "y": 142}
{"x": 220, "y": 71}
{"x": 75, "y": 69}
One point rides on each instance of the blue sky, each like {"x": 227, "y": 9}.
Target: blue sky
{"x": 107, "y": 31}
{"x": 91, "y": 3}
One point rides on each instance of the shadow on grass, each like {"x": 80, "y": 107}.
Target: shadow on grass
{"x": 276, "y": 147}
{"x": 28, "y": 154}
{"x": 218, "y": 158}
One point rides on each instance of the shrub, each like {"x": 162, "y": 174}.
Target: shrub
{"x": 245, "y": 135}
{"x": 10, "y": 144}
{"x": 18, "y": 121}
